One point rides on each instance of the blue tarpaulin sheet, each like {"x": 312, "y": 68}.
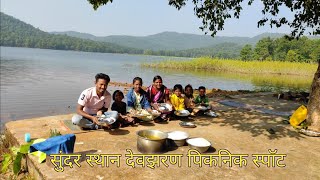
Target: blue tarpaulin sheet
{"x": 63, "y": 143}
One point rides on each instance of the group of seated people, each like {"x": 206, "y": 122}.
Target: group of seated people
{"x": 95, "y": 101}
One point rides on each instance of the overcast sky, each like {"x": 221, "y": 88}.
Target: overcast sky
{"x": 127, "y": 17}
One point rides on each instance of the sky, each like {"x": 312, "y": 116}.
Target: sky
{"x": 129, "y": 17}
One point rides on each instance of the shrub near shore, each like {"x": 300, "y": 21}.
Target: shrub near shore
{"x": 238, "y": 66}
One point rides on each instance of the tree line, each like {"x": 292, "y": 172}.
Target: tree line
{"x": 282, "y": 49}
{"x": 222, "y": 50}
{"x": 16, "y": 33}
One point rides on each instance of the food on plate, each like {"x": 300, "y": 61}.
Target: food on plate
{"x": 165, "y": 107}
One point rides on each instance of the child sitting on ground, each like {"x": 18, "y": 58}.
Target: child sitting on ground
{"x": 203, "y": 100}
{"x": 176, "y": 99}
{"x": 137, "y": 102}
{"x": 188, "y": 98}
{"x": 121, "y": 107}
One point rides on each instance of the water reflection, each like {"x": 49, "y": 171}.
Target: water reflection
{"x": 282, "y": 83}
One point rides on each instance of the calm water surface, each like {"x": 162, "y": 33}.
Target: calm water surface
{"x": 38, "y": 82}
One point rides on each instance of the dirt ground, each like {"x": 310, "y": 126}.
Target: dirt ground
{"x": 240, "y": 130}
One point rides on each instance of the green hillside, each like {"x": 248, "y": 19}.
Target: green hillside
{"x": 171, "y": 40}
{"x": 16, "y": 33}
{"x": 222, "y": 50}
{"x": 267, "y": 46}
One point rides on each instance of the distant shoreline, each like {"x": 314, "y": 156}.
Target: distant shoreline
{"x": 131, "y": 54}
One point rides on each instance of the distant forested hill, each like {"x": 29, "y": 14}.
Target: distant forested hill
{"x": 222, "y": 50}
{"x": 267, "y": 46}
{"x": 171, "y": 40}
{"x": 19, "y": 34}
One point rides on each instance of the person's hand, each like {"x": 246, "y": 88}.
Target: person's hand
{"x": 156, "y": 106}
{"x": 99, "y": 113}
{"x": 159, "y": 110}
{"x": 95, "y": 120}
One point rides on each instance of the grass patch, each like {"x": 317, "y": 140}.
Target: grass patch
{"x": 262, "y": 82}
{"x": 237, "y": 66}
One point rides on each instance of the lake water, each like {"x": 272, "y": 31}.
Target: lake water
{"x": 38, "y": 82}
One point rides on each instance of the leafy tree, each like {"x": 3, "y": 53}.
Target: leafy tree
{"x": 282, "y": 46}
{"x": 292, "y": 56}
{"x": 315, "y": 50}
{"x": 214, "y": 13}
{"x": 306, "y": 15}
{"x": 246, "y": 52}
{"x": 304, "y": 48}
{"x": 264, "y": 49}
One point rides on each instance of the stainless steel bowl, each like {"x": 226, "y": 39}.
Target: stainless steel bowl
{"x": 177, "y": 138}
{"x": 201, "y": 148}
{"x": 151, "y": 141}
{"x": 176, "y": 143}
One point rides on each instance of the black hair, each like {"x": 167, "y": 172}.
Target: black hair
{"x": 102, "y": 76}
{"x": 156, "y": 78}
{"x": 115, "y": 92}
{"x": 178, "y": 86}
{"x": 202, "y": 87}
{"x": 185, "y": 89}
{"x": 188, "y": 86}
{"x": 137, "y": 79}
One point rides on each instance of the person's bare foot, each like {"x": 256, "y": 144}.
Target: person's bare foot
{"x": 105, "y": 127}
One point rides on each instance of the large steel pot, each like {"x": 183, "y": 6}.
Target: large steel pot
{"x": 151, "y": 141}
